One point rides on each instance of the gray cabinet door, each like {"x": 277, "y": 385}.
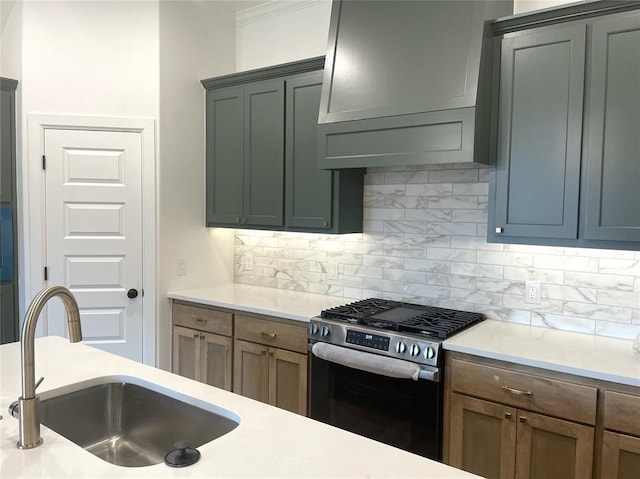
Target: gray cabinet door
{"x": 613, "y": 157}
{"x": 308, "y": 189}
{"x": 225, "y": 156}
{"x": 264, "y": 153}
{"x": 540, "y": 134}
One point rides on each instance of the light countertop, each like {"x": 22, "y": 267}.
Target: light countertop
{"x": 597, "y": 357}
{"x": 269, "y": 442}
{"x": 294, "y": 305}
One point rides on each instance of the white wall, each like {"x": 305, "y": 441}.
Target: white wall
{"x": 10, "y": 39}
{"x": 282, "y": 31}
{"x": 197, "y": 41}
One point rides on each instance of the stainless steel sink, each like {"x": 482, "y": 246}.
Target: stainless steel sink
{"x": 129, "y": 424}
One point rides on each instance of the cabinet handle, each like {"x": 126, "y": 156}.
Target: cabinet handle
{"x": 202, "y": 336}
{"x": 499, "y": 230}
{"x": 507, "y": 415}
{"x": 271, "y": 353}
{"x": 269, "y": 336}
{"x": 517, "y": 392}
{"x": 325, "y": 223}
{"x": 238, "y": 219}
{"x": 196, "y": 335}
{"x": 523, "y": 419}
{"x": 199, "y": 320}
{"x": 263, "y": 352}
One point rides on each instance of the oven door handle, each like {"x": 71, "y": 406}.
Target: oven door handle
{"x": 374, "y": 363}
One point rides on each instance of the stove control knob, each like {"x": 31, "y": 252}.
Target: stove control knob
{"x": 401, "y": 347}
{"x": 325, "y": 331}
{"x": 429, "y": 353}
{"x": 313, "y": 329}
{"x": 414, "y": 350}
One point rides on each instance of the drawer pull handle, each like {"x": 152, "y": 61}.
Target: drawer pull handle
{"x": 269, "y": 336}
{"x": 517, "y": 392}
{"x": 200, "y": 320}
{"x": 523, "y": 419}
{"x": 507, "y": 415}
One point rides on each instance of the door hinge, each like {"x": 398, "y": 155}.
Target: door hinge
{"x": 46, "y": 273}
{"x": 44, "y": 162}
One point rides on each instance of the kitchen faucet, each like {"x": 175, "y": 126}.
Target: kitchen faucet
{"x": 27, "y": 408}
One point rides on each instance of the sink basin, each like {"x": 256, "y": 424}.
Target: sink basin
{"x": 128, "y": 422}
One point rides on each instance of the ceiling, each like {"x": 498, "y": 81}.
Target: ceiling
{"x": 236, "y": 5}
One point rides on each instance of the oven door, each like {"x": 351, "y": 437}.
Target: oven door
{"x": 404, "y": 413}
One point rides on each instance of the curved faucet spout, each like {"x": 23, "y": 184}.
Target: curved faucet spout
{"x": 29, "y": 408}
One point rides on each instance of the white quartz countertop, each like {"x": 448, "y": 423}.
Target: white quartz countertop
{"x": 586, "y": 355}
{"x": 269, "y": 442}
{"x": 294, "y": 305}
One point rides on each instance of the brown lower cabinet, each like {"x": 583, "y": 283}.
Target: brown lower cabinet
{"x": 497, "y": 441}
{"x": 264, "y": 358}
{"x": 621, "y": 437}
{"x": 504, "y": 423}
{"x": 271, "y": 375}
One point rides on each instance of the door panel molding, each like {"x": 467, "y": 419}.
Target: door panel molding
{"x": 32, "y": 221}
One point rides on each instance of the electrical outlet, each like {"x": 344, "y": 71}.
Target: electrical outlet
{"x": 332, "y": 271}
{"x": 532, "y": 292}
{"x": 181, "y": 266}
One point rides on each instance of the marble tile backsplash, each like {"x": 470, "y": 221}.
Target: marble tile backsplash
{"x": 424, "y": 241}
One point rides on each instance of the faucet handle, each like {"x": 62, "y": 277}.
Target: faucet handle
{"x": 38, "y": 383}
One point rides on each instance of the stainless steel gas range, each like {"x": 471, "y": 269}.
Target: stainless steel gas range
{"x": 376, "y": 369}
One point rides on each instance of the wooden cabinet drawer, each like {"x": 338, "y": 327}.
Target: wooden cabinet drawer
{"x": 202, "y": 318}
{"x": 272, "y": 333}
{"x": 550, "y": 396}
{"x": 622, "y": 412}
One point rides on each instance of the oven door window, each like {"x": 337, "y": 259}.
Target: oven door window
{"x": 399, "y": 412}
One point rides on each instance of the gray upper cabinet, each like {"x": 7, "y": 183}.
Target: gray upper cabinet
{"x": 613, "y": 155}
{"x": 540, "y": 133}
{"x": 262, "y": 146}
{"x": 244, "y": 162}
{"x": 316, "y": 200}
{"x": 568, "y": 155}
{"x": 403, "y": 83}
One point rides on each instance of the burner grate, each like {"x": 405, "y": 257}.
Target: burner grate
{"x": 430, "y": 321}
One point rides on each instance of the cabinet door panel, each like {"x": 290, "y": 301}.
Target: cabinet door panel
{"x": 620, "y": 456}
{"x": 288, "y": 380}
{"x": 225, "y": 155}
{"x": 614, "y": 124}
{"x": 540, "y": 133}
{"x": 216, "y": 360}
{"x": 308, "y": 192}
{"x": 251, "y": 370}
{"x": 186, "y": 352}
{"x": 482, "y": 437}
{"x": 550, "y": 448}
{"x": 264, "y": 153}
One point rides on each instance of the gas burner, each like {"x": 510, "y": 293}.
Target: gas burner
{"x": 430, "y": 321}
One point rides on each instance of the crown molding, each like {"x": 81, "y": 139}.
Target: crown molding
{"x": 272, "y": 9}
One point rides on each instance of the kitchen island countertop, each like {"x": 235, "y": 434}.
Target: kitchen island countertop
{"x": 269, "y": 442}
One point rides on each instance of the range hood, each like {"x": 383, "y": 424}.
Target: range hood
{"x": 407, "y": 83}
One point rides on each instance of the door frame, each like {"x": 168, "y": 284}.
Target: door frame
{"x": 33, "y": 201}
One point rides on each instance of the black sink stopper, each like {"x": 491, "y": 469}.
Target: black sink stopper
{"x": 183, "y": 455}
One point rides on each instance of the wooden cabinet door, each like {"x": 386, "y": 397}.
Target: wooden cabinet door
{"x": 620, "y": 456}
{"x": 308, "y": 189}
{"x": 613, "y": 158}
{"x": 216, "y": 360}
{"x": 550, "y": 448}
{"x": 540, "y": 134}
{"x": 264, "y": 153}
{"x": 251, "y": 370}
{"x": 482, "y": 437}
{"x": 186, "y": 352}
{"x": 288, "y": 380}
{"x": 225, "y": 156}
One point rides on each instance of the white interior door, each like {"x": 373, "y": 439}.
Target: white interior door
{"x": 93, "y": 202}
